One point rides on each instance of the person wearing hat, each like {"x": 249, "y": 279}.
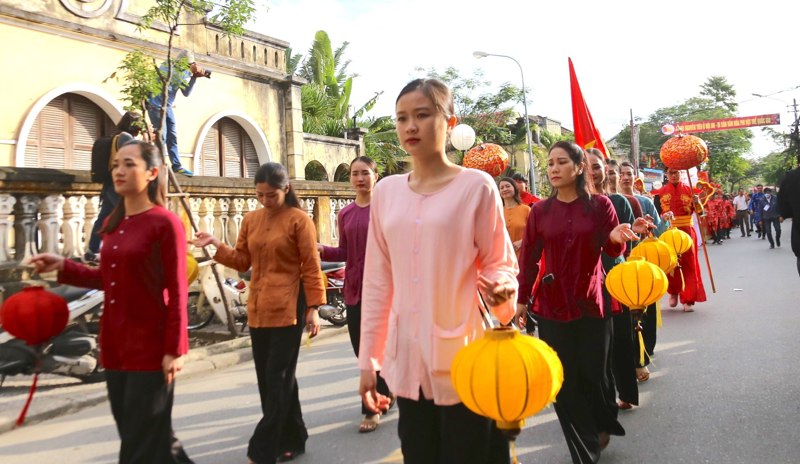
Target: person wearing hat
{"x": 522, "y": 182}
{"x": 183, "y": 81}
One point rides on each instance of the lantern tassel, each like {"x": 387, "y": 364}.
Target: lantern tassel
{"x": 641, "y": 347}
{"x": 659, "y": 322}
{"x": 24, "y": 412}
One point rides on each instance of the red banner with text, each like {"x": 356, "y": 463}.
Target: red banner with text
{"x": 728, "y": 123}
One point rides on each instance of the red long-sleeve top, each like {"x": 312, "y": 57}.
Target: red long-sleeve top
{"x": 143, "y": 275}
{"x": 571, "y": 236}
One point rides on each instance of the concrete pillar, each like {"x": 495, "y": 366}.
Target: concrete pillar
{"x": 295, "y": 161}
{"x": 322, "y": 219}
{"x": 357, "y": 133}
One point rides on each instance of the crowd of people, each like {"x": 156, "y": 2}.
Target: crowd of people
{"x": 412, "y": 290}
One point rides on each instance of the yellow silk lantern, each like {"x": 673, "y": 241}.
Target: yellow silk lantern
{"x": 192, "y": 270}
{"x": 507, "y": 377}
{"x": 637, "y": 284}
{"x": 679, "y": 241}
{"x": 656, "y": 252}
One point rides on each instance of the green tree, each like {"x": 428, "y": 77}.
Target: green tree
{"x": 326, "y": 96}
{"x": 141, "y": 72}
{"x": 726, "y": 148}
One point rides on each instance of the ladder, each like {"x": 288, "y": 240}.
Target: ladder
{"x": 178, "y": 193}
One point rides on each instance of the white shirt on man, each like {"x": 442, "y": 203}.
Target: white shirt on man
{"x": 740, "y": 202}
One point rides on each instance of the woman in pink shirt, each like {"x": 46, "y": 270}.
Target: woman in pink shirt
{"x": 353, "y": 227}
{"x": 435, "y": 237}
{"x": 143, "y": 333}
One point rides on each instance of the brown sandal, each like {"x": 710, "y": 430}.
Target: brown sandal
{"x": 369, "y": 423}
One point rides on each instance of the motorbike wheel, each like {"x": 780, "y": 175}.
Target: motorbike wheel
{"x": 200, "y": 313}
{"x": 338, "y": 319}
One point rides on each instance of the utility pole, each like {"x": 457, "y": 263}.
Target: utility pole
{"x": 794, "y": 136}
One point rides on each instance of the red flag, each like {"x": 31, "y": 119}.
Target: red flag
{"x": 586, "y": 134}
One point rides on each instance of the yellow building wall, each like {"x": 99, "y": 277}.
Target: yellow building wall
{"x": 38, "y": 59}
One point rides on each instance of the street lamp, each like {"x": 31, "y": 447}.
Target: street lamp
{"x": 525, "y": 108}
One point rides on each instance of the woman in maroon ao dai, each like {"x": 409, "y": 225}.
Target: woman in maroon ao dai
{"x": 571, "y": 229}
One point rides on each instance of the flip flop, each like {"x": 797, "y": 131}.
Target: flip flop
{"x": 369, "y": 423}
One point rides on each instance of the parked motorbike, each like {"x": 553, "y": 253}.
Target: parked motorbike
{"x": 205, "y": 302}
{"x": 72, "y": 353}
{"x": 335, "y": 310}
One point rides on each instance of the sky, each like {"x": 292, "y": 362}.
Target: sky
{"x": 628, "y": 55}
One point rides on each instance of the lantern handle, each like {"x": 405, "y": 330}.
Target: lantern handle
{"x": 486, "y": 314}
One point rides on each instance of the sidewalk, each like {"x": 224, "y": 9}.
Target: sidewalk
{"x": 57, "y": 395}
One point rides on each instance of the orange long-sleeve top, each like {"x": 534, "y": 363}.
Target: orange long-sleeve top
{"x": 281, "y": 247}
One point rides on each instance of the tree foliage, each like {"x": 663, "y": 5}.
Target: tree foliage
{"x": 141, "y": 71}
{"x": 727, "y": 148}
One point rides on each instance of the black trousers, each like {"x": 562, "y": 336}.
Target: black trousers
{"x": 281, "y": 429}
{"x": 431, "y": 434}
{"x": 354, "y": 329}
{"x": 649, "y": 330}
{"x": 584, "y": 405}
{"x": 623, "y": 363}
{"x": 141, "y": 403}
{"x": 768, "y": 225}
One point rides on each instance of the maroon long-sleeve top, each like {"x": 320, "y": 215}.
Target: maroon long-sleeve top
{"x": 143, "y": 275}
{"x": 353, "y": 227}
{"x": 570, "y": 237}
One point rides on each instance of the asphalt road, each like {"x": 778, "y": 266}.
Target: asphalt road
{"x": 724, "y": 389}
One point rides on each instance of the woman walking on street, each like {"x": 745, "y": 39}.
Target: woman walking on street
{"x": 353, "y": 226}
{"x": 279, "y": 242}
{"x": 436, "y": 236}
{"x": 514, "y": 212}
{"x": 571, "y": 229}
{"x": 143, "y": 334}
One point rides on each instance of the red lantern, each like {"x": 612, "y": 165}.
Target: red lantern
{"x": 488, "y": 157}
{"x": 34, "y": 315}
{"x": 684, "y": 152}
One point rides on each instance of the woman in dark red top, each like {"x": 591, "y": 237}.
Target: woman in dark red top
{"x": 143, "y": 329}
{"x": 353, "y": 227}
{"x": 571, "y": 229}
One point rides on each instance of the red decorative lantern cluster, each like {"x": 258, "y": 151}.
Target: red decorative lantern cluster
{"x": 34, "y": 315}
{"x": 684, "y": 152}
{"x": 488, "y": 157}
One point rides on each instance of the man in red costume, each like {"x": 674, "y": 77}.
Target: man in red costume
{"x": 679, "y": 198}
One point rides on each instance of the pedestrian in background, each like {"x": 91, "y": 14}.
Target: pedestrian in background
{"x": 436, "y": 237}
{"x": 771, "y": 218}
{"x": 353, "y": 227}
{"x": 515, "y": 212}
{"x": 570, "y": 230}
{"x": 742, "y": 216}
{"x": 756, "y": 205}
{"x": 789, "y": 205}
{"x": 128, "y": 129}
{"x": 143, "y": 334}
{"x": 729, "y": 214}
{"x": 526, "y": 197}
{"x": 279, "y": 241}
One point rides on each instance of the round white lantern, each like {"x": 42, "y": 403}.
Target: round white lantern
{"x": 462, "y": 137}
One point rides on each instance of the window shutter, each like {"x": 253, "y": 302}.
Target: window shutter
{"x": 250, "y": 157}
{"x": 231, "y": 147}
{"x": 54, "y": 138}
{"x": 86, "y": 126}
{"x": 210, "y": 155}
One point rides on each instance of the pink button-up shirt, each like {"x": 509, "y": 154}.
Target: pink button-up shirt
{"x": 419, "y": 299}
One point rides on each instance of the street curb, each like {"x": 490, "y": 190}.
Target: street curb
{"x": 199, "y": 361}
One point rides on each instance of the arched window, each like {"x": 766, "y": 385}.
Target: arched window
{"x": 216, "y": 42}
{"x": 316, "y": 171}
{"x": 254, "y": 54}
{"x": 228, "y": 151}
{"x": 241, "y": 46}
{"x": 342, "y": 173}
{"x": 266, "y": 57}
{"x": 276, "y": 60}
{"x": 63, "y": 133}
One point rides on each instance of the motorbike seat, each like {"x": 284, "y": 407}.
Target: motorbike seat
{"x": 331, "y": 266}
{"x": 68, "y": 292}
